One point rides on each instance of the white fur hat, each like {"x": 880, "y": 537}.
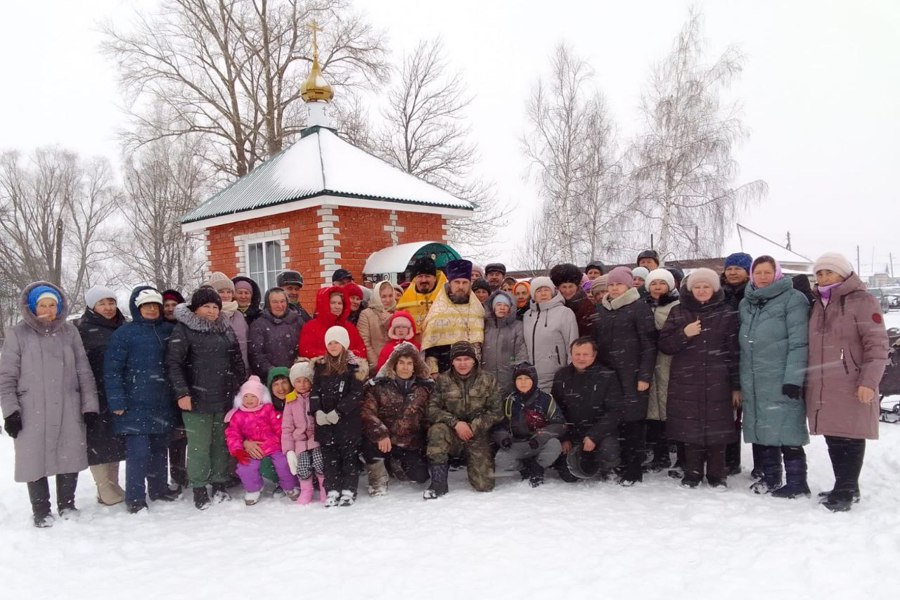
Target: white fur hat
{"x": 338, "y": 334}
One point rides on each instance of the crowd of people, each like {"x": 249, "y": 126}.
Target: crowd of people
{"x": 592, "y": 373}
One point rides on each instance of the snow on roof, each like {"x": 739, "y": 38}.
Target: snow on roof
{"x": 322, "y": 163}
{"x": 755, "y": 245}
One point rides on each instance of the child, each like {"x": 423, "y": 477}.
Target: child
{"x": 528, "y": 437}
{"x": 401, "y": 328}
{"x": 335, "y": 400}
{"x": 298, "y": 434}
{"x": 253, "y": 433}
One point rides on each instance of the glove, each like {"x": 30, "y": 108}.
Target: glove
{"x": 241, "y": 456}
{"x": 292, "y": 461}
{"x": 533, "y": 443}
{"x": 13, "y": 424}
{"x": 506, "y": 442}
{"x": 333, "y": 417}
{"x": 90, "y": 418}
{"x": 321, "y": 418}
{"x": 791, "y": 391}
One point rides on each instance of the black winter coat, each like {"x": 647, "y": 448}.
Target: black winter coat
{"x": 585, "y": 311}
{"x": 254, "y": 310}
{"x": 203, "y": 361}
{"x": 273, "y": 342}
{"x": 342, "y": 393}
{"x": 626, "y": 340}
{"x": 102, "y": 444}
{"x": 704, "y": 371}
{"x": 591, "y": 401}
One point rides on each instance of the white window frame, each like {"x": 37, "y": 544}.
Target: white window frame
{"x": 244, "y": 243}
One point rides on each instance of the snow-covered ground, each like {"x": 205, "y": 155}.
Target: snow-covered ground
{"x": 559, "y": 541}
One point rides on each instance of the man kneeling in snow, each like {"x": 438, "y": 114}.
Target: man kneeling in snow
{"x": 463, "y": 408}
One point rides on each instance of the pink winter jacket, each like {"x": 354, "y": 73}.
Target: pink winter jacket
{"x": 298, "y": 427}
{"x": 848, "y": 347}
{"x": 261, "y": 426}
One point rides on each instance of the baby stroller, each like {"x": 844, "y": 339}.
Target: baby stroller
{"x": 890, "y": 382}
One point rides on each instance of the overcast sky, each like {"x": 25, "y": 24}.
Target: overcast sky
{"x": 820, "y": 93}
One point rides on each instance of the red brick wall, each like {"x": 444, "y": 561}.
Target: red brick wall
{"x": 361, "y": 233}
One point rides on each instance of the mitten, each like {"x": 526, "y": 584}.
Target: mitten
{"x": 791, "y": 391}
{"x": 506, "y": 442}
{"x": 321, "y": 418}
{"x": 13, "y": 424}
{"x": 90, "y": 418}
{"x": 292, "y": 461}
{"x": 333, "y": 417}
{"x": 241, "y": 456}
{"x": 533, "y": 443}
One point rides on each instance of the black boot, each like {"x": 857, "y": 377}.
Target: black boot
{"x": 39, "y": 494}
{"x": 65, "y": 495}
{"x": 795, "y": 473}
{"x": 438, "y": 485}
{"x": 201, "y": 498}
{"x": 846, "y": 460}
{"x": 220, "y": 492}
{"x": 535, "y": 472}
{"x": 757, "y": 472}
{"x": 771, "y": 465}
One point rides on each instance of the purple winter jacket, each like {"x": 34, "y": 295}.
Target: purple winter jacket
{"x": 848, "y": 348}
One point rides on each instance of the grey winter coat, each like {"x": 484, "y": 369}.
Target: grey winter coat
{"x": 659, "y": 387}
{"x": 550, "y": 328}
{"x": 774, "y": 341}
{"x": 238, "y": 324}
{"x": 45, "y": 376}
{"x": 504, "y": 343}
{"x": 273, "y": 341}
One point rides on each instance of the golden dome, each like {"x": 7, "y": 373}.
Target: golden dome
{"x": 315, "y": 87}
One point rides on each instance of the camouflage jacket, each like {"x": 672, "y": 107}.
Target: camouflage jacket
{"x": 475, "y": 400}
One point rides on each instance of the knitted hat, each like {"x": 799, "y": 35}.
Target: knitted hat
{"x": 96, "y": 294}
{"x": 459, "y": 269}
{"x": 462, "y": 348}
{"x": 401, "y": 318}
{"x": 620, "y": 275}
{"x": 501, "y": 297}
{"x": 148, "y": 296}
{"x": 354, "y": 290}
{"x": 678, "y": 274}
{"x": 204, "y": 295}
{"x": 243, "y": 284}
{"x": 481, "y": 284}
{"x": 659, "y": 275}
{"x": 641, "y": 272}
{"x": 704, "y": 275}
{"x": 173, "y": 295}
{"x": 600, "y": 283}
{"x": 739, "y": 259}
{"x": 275, "y": 373}
{"x": 834, "y": 261}
{"x": 423, "y": 266}
{"x": 220, "y": 281}
{"x": 338, "y": 334}
{"x": 300, "y": 370}
{"x": 595, "y": 264}
{"x": 254, "y": 386}
{"x": 477, "y": 269}
{"x": 44, "y": 291}
{"x": 289, "y": 278}
{"x": 565, "y": 273}
{"x": 495, "y": 268}
{"x": 539, "y": 282}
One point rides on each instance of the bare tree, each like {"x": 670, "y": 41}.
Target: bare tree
{"x": 684, "y": 168}
{"x": 231, "y": 70}
{"x": 572, "y": 152}
{"x": 426, "y": 134}
{"x": 163, "y": 181}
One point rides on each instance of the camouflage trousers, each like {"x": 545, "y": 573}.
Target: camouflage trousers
{"x": 443, "y": 443}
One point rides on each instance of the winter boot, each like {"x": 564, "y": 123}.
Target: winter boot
{"x": 757, "y": 472}
{"x": 201, "y": 498}
{"x": 106, "y": 476}
{"x": 293, "y": 494}
{"x": 39, "y": 494}
{"x": 378, "y": 478}
{"x": 135, "y": 507}
{"x": 65, "y": 495}
{"x": 167, "y": 495}
{"x": 333, "y": 499}
{"x": 348, "y": 497}
{"x": 251, "y": 498}
{"x": 838, "y": 501}
{"x": 823, "y": 496}
{"x": 306, "y": 491}
{"x": 771, "y": 466}
{"x": 323, "y": 495}
{"x": 220, "y": 493}
{"x": 438, "y": 486}
{"x": 795, "y": 473}
{"x": 395, "y": 466}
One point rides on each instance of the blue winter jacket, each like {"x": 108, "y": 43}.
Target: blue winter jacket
{"x": 135, "y": 375}
{"x": 774, "y": 348}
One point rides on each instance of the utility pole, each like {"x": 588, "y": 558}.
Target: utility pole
{"x": 788, "y": 247}
{"x": 891, "y": 259}
{"x": 858, "y": 272}
{"x": 56, "y": 275}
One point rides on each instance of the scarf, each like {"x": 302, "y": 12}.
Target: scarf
{"x": 447, "y": 322}
{"x": 825, "y": 292}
